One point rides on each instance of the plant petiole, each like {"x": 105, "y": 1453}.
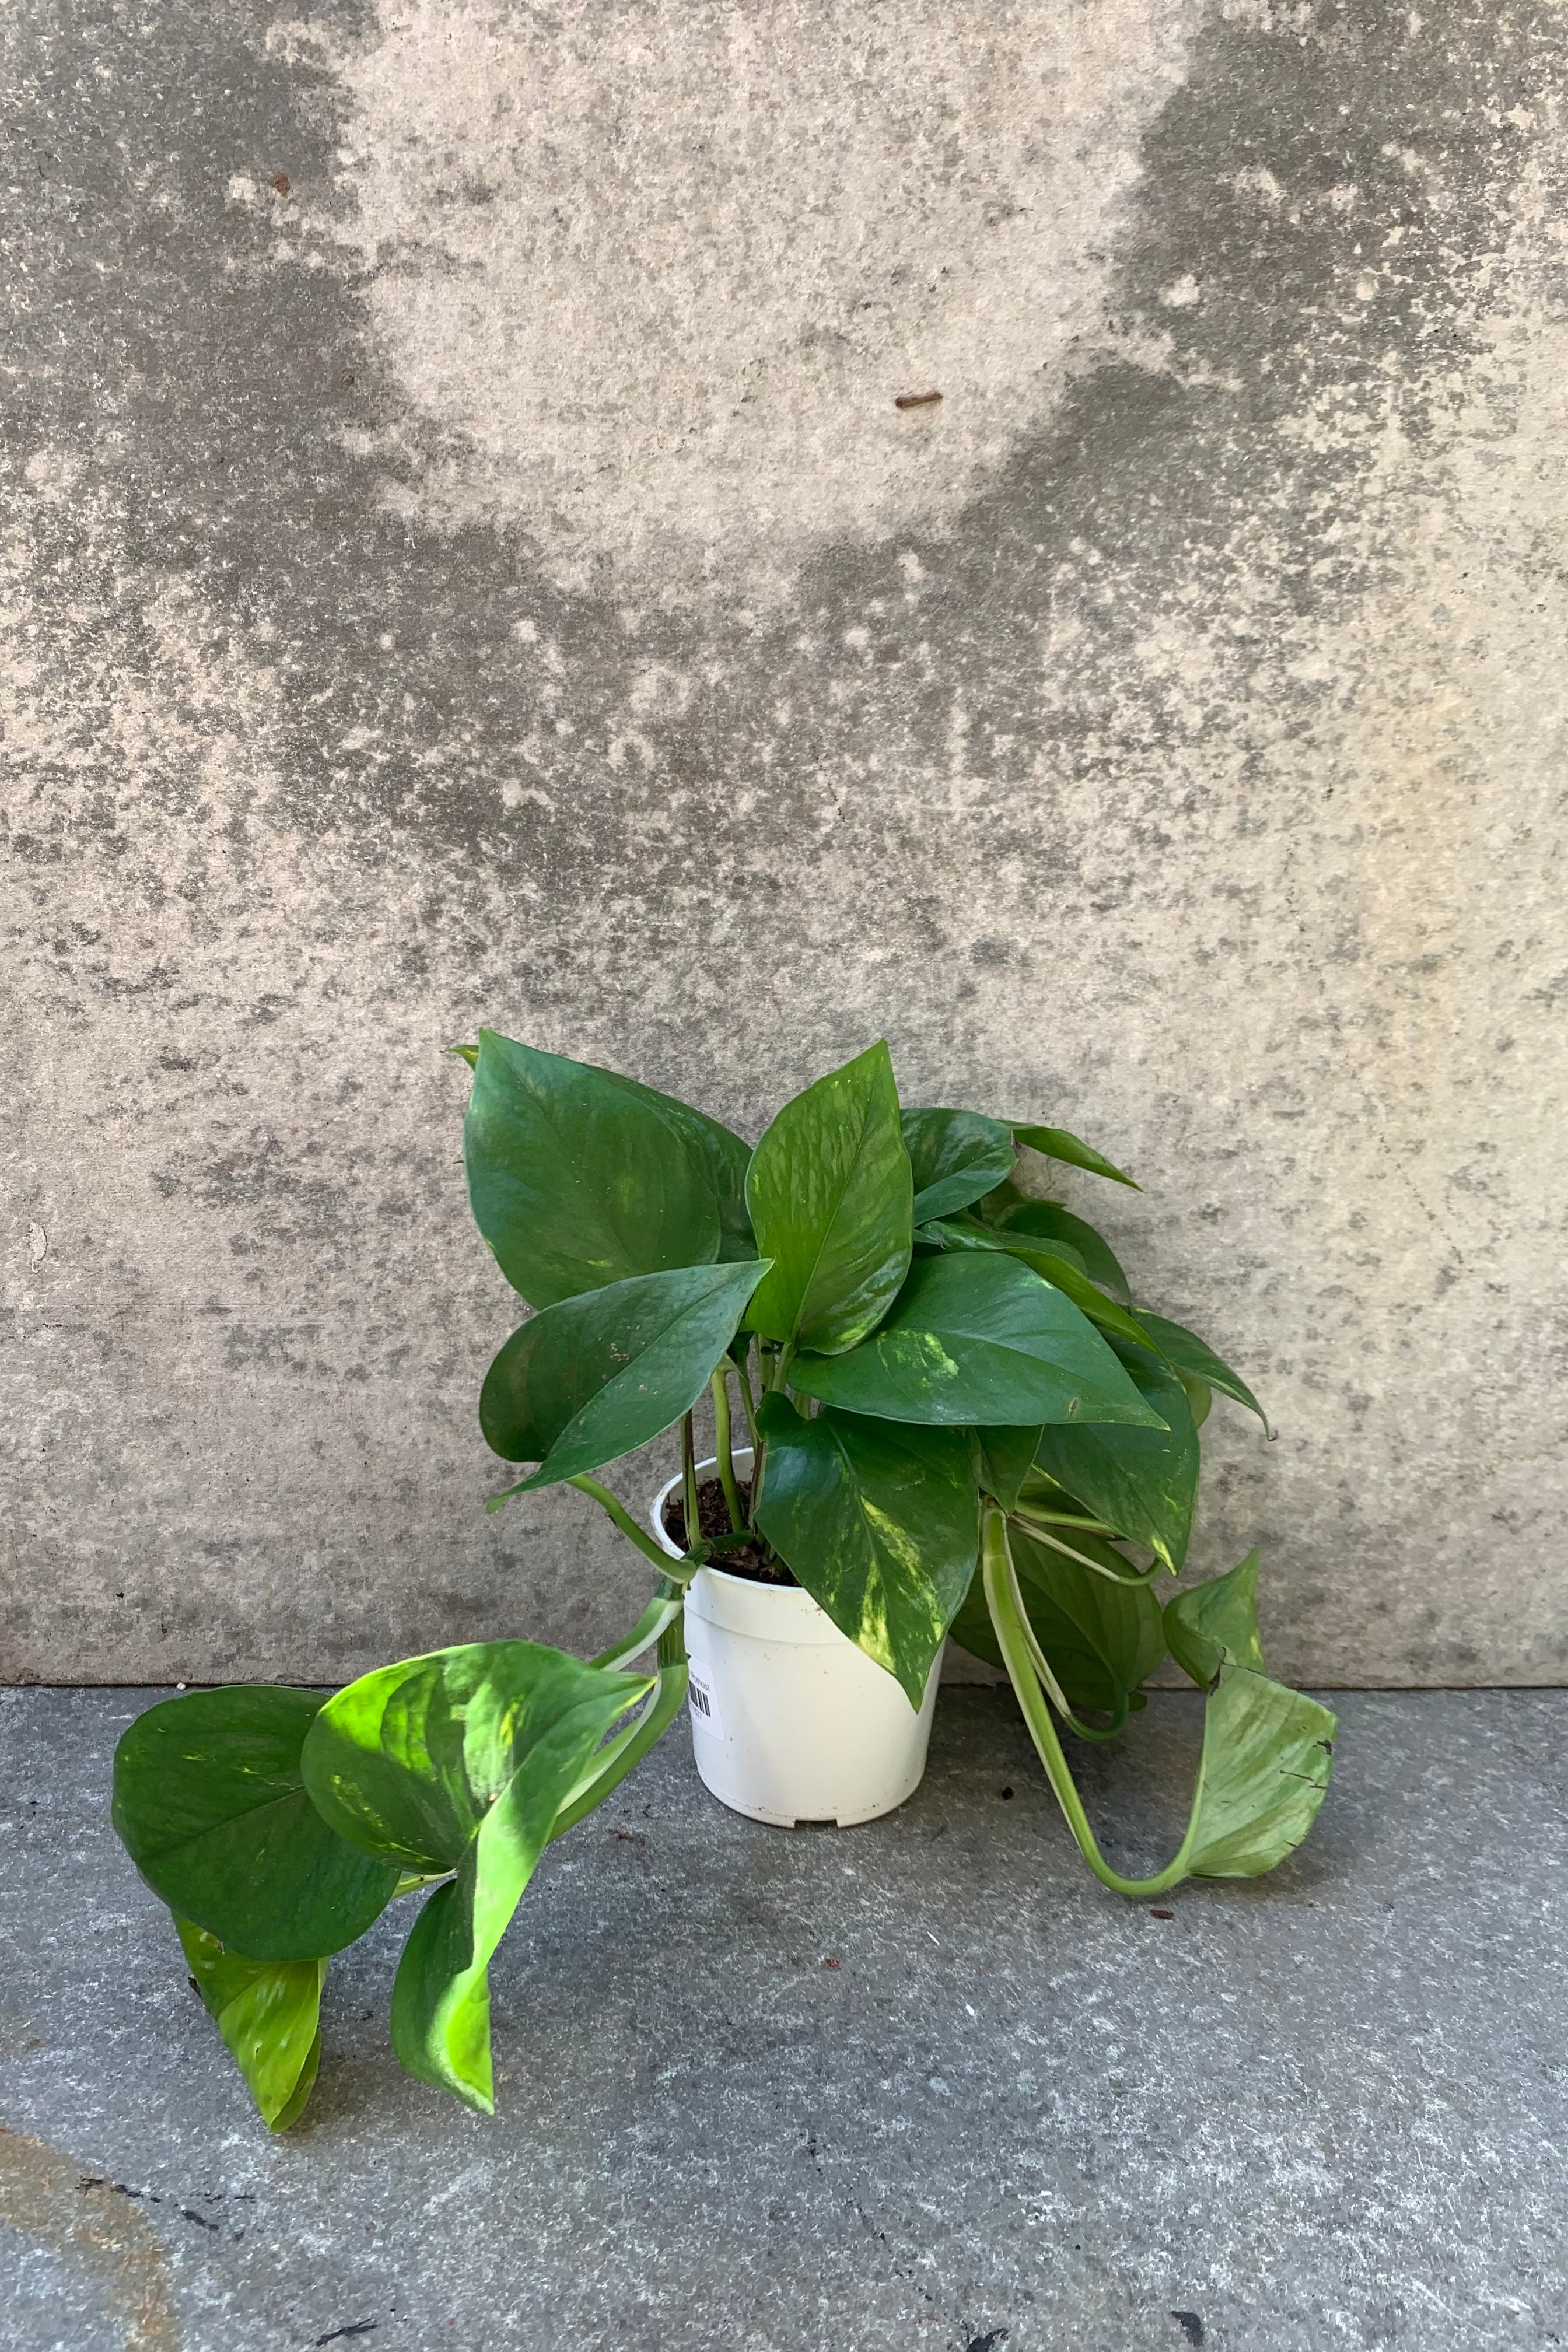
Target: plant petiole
{"x": 688, "y": 1481}
{"x": 1014, "y": 1640}
{"x": 625, "y": 1751}
{"x": 720, "y": 1385}
{"x": 623, "y": 1520}
{"x": 660, "y": 1612}
{"x": 1041, "y": 1534}
{"x": 741, "y": 1363}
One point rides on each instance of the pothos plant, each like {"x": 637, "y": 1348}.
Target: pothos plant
{"x": 959, "y": 1423}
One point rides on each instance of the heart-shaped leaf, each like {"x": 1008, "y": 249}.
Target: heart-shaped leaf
{"x": 975, "y": 1339}
{"x": 1056, "y": 1143}
{"x": 578, "y": 1178}
{"x": 1142, "y": 1481}
{"x": 957, "y": 1157}
{"x": 268, "y": 2013}
{"x": 1268, "y": 1750}
{"x": 1210, "y": 1622}
{"x": 1193, "y": 1356}
{"x": 830, "y": 1193}
{"x": 211, "y": 1806}
{"x": 460, "y": 1761}
{"x": 597, "y": 1375}
{"x": 881, "y": 1525}
{"x": 1267, "y": 1757}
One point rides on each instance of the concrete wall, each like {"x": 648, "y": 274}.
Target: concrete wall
{"x": 464, "y": 562}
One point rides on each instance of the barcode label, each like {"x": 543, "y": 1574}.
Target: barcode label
{"x": 703, "y": 1700}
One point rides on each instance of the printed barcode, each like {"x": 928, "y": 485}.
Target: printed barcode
{"x": 705, "y": 1714}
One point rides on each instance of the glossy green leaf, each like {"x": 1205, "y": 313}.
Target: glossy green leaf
{"x": 1267, "y": 1757}
{"x": 598, "y": 1375}
{"x": 722, "y": 1159}
{"x": 1058, "y": 1263}
{"x": 1003, "y": 1458}
{"x": 1048, "y": 1221}
{"x": 212, "y": 1809}
{"x": 1212, "y": 1622}
{"x": 1268, "y": 1750}
{"x": 577, "y": 1178}
{"x": 1102, "y": 1640}
{"x": 461, "y": 1761}
{"x": 1030, "y": 1247}
{"x": 1056, "y": 1143}
{"x": 268, "y": 2013}
{"x": 1193, "y": 1356}
{"x": 1142, "y": 1481}
{"x": 1051, "y": 1265}
{"x": 881, "y": 1525}
{"x": 957, "y": 1157}
{"x": 974, "y": 1340}
{"x": 830, "y": 1193}
{"x": 1200, "y": 1396}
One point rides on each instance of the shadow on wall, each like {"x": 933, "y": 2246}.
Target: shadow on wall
{"x": 233, "y": 440}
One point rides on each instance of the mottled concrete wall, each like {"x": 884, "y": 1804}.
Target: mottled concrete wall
{"x": 464, "y": 562}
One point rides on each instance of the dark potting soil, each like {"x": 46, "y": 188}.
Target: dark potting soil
{"x": 746, "y": 1559}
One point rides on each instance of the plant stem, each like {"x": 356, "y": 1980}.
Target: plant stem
{"x": 759, "y": 1473}
{"x": 627, "y": 1750}
{"x": 1037, "y": 1658}
{"x": 720, "y": 1384}
{"x": 688, "y": 1482}
{"x": 1011, "y": 1636}
{"x": 664, "y": 1617}
{"x": 1048, "y": 1681}
{"x": 625, "y": 1521}
{"x": 1031, "y": 1527}
{"x": 748, "y": 1402}
{"x": 662, "y": 1611}
{"x": 672, "y": 1640}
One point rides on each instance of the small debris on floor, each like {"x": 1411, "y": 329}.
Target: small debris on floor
{"x": 916, "y": 399}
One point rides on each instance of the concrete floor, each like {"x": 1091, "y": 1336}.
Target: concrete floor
{"x": 1330, "y": 2108}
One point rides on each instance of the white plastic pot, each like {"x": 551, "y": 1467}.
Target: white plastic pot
{"x": 791, "y": 1723}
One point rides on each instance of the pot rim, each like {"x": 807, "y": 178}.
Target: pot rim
{"x": 775, "y": 1595}
{"x": 742, "y": 1457}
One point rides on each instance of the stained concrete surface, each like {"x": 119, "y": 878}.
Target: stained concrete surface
{"x": 463, "y": 562}
{"x": 1324, "y": 2109}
